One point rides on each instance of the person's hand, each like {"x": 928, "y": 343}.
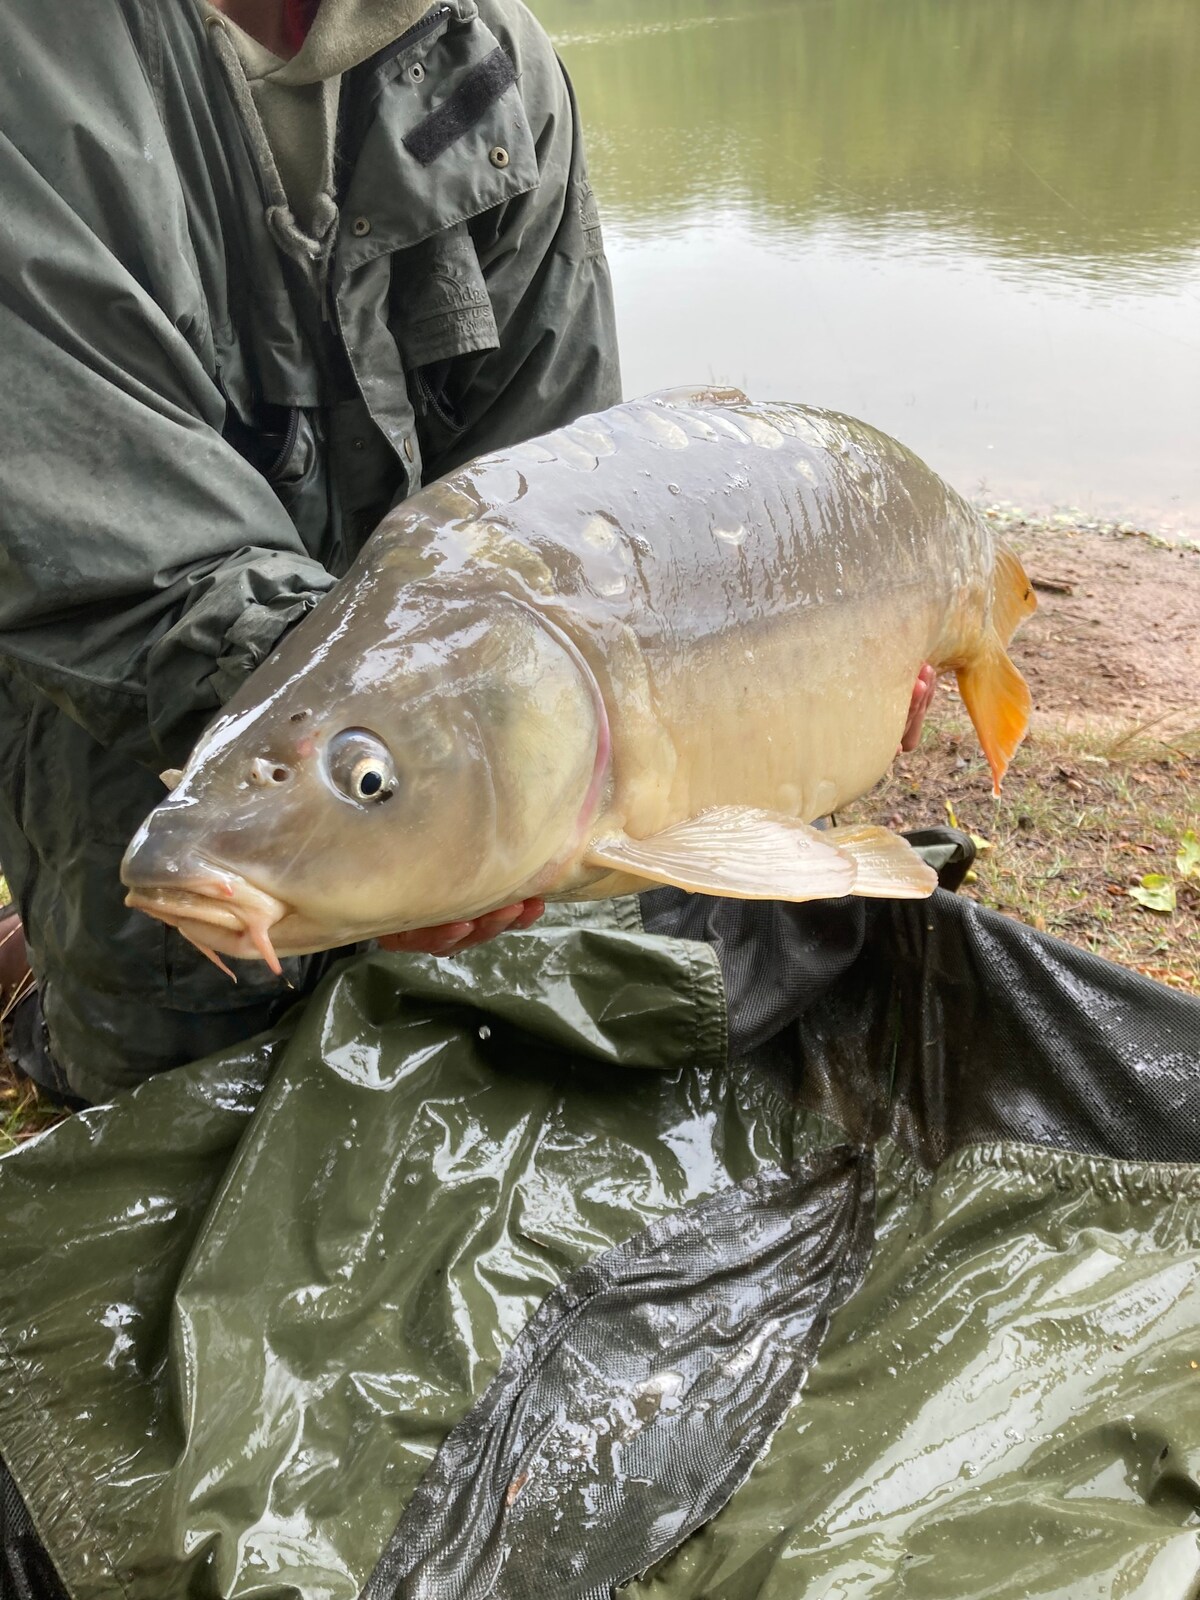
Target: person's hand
{"x": 451, "y": 937}
{"x": 922, "y": 699}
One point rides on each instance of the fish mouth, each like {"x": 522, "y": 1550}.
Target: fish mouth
{"x": 216, "y": 912}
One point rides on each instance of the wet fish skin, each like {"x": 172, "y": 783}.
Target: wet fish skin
{"x": 657, "y": 624}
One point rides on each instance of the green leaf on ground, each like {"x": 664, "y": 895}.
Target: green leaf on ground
{"x": 1156, "y": 892}
{"x": 1188, "y": 859}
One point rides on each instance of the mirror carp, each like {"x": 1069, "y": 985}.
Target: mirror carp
{"x": 652, "y": 647}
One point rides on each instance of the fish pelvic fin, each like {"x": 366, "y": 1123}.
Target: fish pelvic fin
{"x": 886, "y": 866}
{"x": 737, "y": 852}
{"x": 1013, "y": 598}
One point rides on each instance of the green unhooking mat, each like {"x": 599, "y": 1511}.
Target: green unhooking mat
{"x": 773, "y": 1253}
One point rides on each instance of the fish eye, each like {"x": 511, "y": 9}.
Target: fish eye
{"x": 368, "y": 779}
{"x": 361, "y": 767}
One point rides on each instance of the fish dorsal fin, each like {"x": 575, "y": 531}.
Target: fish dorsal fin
{"x": 707, "y": 394}
{"x": 887, "y": 866}
{"x": 737, "y": 852}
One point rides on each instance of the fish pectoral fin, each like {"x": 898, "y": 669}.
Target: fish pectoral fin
{"x": 736, "y": 852}
{"x": 887, "y": 866}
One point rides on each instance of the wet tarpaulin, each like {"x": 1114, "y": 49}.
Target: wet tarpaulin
{"x": 838, "y": 1251}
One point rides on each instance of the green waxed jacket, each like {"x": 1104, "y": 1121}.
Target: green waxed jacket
{"x": 207, "y": 410}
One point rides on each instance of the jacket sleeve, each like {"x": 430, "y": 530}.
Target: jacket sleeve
{"x": 543, "y": 262}
{"x": 145, "y": 567}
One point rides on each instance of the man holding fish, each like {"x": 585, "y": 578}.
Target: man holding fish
{"x": 267, "y": 268}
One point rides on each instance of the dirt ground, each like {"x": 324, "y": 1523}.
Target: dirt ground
{"x": 1119, "y": 648}
{"x": 1107, "y": 785}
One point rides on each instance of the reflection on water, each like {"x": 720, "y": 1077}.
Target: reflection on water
{"x": 974, "y": 222}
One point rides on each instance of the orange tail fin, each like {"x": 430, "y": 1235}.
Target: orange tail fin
{"x": 993, "y": 691}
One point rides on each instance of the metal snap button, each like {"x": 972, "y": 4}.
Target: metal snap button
{"x": 416, "y": 73}
{"x": 408, "y": 448}
{"x": 498, "y": 156}
{"x": 361, "y": 226}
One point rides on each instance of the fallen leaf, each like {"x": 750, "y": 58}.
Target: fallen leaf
{"x": 1156, "y": 892}
{"x": 981, "y": 844}
{"x": 1188, "y": 859}
{"x": 950, "y": 817}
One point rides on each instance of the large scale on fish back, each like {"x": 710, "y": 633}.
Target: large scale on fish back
{"x": 651, "y": 647}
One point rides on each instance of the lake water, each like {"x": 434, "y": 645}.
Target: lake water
{"x": 974, "y": 223}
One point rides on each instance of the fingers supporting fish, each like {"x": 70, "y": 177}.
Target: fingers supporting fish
{"x": 531, "y": 910}
{"x": 451, "y": 937}
{"x": 922, "y": 699}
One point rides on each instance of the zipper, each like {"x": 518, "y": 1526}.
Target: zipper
{"x": 426, "y": 24}
{"x": 433, "y": 402}
{"x": 283, "y": 456}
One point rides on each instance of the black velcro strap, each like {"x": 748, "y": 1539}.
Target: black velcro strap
{"x": 481, "y": 86}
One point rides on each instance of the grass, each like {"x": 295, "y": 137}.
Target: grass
{"x": 1084, "y": 817}
{"x": 22, "y": 1112}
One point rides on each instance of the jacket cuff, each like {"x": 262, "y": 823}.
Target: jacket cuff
{"x": 207, "y": 655}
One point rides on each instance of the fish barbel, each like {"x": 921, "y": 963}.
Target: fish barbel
{"x": 651, "y": 647}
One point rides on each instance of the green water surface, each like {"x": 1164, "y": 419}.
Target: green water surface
{"x": 975, "y": 223}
